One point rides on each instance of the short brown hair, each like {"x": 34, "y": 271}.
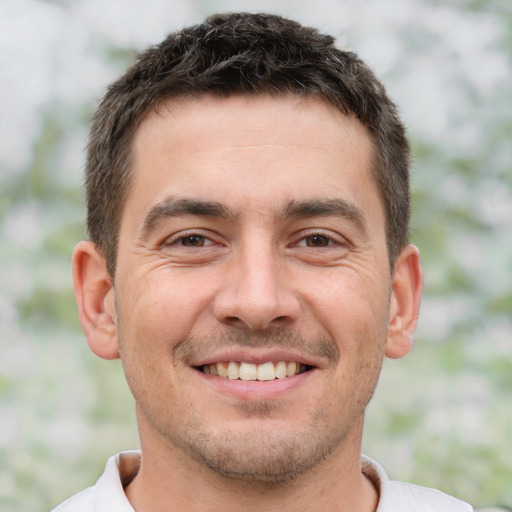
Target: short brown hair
{"x": 241, "y": 53}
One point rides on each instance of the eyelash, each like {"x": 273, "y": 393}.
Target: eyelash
{"x": 331, "y": 238}
{"x": 301, "y": 242}
{"x": 176, "y": 239}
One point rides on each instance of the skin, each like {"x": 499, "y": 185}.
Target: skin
{"x": 253, "y": 232}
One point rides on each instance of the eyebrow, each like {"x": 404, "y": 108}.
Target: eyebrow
{"x": 327, "y": 207}
{"x": 174, "y": 207}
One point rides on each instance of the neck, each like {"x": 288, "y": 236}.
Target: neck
{"x": 175, "y": 482}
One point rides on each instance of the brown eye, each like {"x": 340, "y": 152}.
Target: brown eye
{"x": 317, "y": 241}
{"x": 193, "y": 241}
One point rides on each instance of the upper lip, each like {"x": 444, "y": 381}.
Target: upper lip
{"x": 258, "y": 356}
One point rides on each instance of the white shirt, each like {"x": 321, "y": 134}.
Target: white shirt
{"x": 108, "y": 493}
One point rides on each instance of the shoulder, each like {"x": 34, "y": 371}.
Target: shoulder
{"x": 108, "y": 492}
{"x": 81, "y": 502}
{"x": 430, "y": 500}
{"x": 404, "y": 497}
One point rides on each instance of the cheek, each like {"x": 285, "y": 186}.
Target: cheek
{"x": 160, "y": 308}
{"x": 352, "y": 301}
{"x": 354, "y": 312}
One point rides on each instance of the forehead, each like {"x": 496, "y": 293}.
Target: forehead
{"x": 241, "y": 117}
{"x": 249, "y": 148}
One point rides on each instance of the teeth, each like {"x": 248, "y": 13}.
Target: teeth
{"x": 233, "y": 370}
{"x": 248, "y": 371}
{"x": 266, "y": 371}
{"x": 222, "y": 370}
{"x": 281, "y": 370}
{"x": 290, "y": 369}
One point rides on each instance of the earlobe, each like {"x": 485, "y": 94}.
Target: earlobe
{"x": 95, "y": 298}
{"x": 405, "y": 302}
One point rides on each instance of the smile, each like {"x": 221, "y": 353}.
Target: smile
{"x": 235, "y": 370}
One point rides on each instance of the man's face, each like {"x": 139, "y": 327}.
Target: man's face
{"x": 252, "y": 243}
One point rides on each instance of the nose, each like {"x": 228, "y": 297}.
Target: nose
{"x": 257, "y": 292}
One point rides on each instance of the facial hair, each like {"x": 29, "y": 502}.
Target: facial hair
{"x": 257, "y": 448}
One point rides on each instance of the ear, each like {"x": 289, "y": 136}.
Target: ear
{"x": 95, "y": 298}
{"x": 405, "y": 302}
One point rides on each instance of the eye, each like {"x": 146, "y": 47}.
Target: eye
{"x": 315, "y": 241}
{"x": 192, "y": 240}
{"x": 319, "y": 246}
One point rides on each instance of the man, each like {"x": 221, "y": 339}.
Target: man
{"x": 248, "y": 208}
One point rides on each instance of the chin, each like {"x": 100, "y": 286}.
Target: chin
{"x": 265, "y": 455}
{"x": 266, "y": 464}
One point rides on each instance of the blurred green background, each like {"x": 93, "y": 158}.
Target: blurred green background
{"x": 442, "y": 416}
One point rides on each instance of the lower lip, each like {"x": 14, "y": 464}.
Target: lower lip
{"x": 253, "y": 390}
